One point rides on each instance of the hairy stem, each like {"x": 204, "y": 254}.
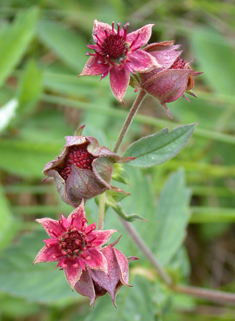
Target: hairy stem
{"x": 128, "y": 120}
{"x": 211, "y": 295}
{"x": 101, "y": 211}
{"x": 147, "y": 252}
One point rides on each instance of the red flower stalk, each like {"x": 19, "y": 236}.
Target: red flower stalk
{"x": 83, "y": 169}
{"x": 172, "y": 79}
{"x": 118, "y": 53}
{"x": 74, "y": 244}
{"x": 94, "y": 283}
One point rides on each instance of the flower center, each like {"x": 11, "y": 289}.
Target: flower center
{"x": 178, "y": 64}
{"x": 72, "y": 242}
{"x": 114, "y": 46}
{"x": 78, "y": 156}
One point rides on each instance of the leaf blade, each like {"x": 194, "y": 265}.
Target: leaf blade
{"x": 67, "y": 45}
{"x": 160, "y": 147}
{"x": 173, "y": 215}
{"x": 14, "y": 41}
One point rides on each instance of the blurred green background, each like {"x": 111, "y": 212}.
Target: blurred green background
{"x": 42, "y": 50}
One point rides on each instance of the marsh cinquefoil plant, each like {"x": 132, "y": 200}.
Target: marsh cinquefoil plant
{"x": 84, "y": 169}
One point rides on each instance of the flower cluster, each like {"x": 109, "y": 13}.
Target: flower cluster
{"x": 84, "y": 169}
{"x": 172, "y": 79}
{"x": 156, "y": 68}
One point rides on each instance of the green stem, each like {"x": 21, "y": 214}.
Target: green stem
{"x": 147, "y": 252}
{"x": 210, "y": 295}
{"x": 128, "y": 120}
{"x": 206, "y": 294}
{"x": 101, "y": 211}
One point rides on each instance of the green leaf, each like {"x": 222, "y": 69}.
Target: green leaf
{"x": 69, "y": 46}
{"x": 26, "y": 158}
{"x": 7, "y": 226}
{"x": 215, "y": 55}
{"x": 141, "y": 202}
{"x": 119, "y": 210}
{"x": 160, "y": 147}
{"x": 132, "y": 304}
{"x": 14, "y": 41}
{"x": 36, "y": 283}
{"x": 30, "y": 88}
{"x": 173, "y": 215}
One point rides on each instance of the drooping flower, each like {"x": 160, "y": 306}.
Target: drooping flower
{"x": 172, "y": 79}
{"x": 74, "y": 244}
{"x": 118, "y": 53}
{"x": 83, "y": 169}
{"x": 94, "y": 283}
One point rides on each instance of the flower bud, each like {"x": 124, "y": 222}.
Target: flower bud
{"x": 83, "y": 169}
{"x": 95, "y": 283}
{"x": 172, "y": 79}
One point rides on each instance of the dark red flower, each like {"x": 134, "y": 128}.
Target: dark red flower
{"x": 83, "y": 169}
{"x": 74, "y": 244}
{"x": 118, "y": 53}
{"x": 94, "y": 283}
{"x": 172, "y": 79}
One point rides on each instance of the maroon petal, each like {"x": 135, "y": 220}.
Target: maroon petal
{"x": 119, "y": 81}
{"x": 48, "y": 254}
{"x": 72, "y": 271}
{"x": 142, "y": 61}
{"x": 52, "y": 227}
{"x": 85, "y": 286}
{"x": 94, "y": 259}
{"x": 78, "y": 218}
{"x": 95, "y": 66}
{"x": 100, "y": 237}
{"x": 140, "y": 37}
